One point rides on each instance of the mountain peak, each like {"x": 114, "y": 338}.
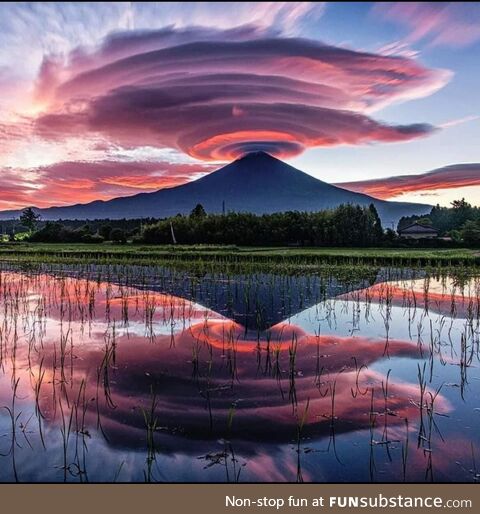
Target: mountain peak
{"x": 258, "y": 155}
{"x": 257, "y": 182}
{"x": 259, "y": 164}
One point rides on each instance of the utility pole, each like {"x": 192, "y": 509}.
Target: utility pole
{"x": 173, "y": 234}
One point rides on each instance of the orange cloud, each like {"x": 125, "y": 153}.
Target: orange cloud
{"x": 65, "y": 183}
{"x": 456, "y": 175}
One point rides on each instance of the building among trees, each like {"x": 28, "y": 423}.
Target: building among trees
{"x": 418, "y": 231}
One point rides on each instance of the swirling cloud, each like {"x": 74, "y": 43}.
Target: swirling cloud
{"x": 215, "y": 95}
{"x": 456, "y": 175}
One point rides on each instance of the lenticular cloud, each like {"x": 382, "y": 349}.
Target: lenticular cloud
{"x": 453, "y": 176}
{"x": 215, "y": 95}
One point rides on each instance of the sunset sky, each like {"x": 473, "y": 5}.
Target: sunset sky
{"x": 99, "y": 100}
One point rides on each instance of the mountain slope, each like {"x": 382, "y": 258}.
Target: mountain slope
{"x": 257, "y": 183}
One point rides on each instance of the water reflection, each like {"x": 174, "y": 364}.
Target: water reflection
{"x": 106, "y": 381}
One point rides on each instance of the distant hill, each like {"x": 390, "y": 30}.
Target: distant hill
{"x": 257, "y": 183}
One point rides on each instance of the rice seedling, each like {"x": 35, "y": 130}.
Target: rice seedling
{"x": 82, "y": 346}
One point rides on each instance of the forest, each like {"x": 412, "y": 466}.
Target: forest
{"x": 346, "y": 225}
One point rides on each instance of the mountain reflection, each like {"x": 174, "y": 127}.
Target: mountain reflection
{"x": 91, "y": 362}
{"x": 112, "y": 352}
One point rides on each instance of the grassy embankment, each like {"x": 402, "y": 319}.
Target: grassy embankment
{"x": 235, "y": 256}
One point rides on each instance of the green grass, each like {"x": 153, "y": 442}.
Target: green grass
{"x": 232, "y": 255}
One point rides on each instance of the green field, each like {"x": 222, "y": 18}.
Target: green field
{"x": 231, "y": 255}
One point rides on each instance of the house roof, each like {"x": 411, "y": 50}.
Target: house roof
{"x": 418, "y": 228}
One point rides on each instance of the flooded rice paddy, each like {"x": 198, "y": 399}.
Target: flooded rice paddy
{"x": 147, "y": 374}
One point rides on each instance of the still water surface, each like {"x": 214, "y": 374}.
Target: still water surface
{"x": 170, "y": 377}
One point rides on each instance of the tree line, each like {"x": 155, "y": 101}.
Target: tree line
{"x": 347, "y": 225}
{"x": 461, "y": 221}
{"x": 30, "y": 226}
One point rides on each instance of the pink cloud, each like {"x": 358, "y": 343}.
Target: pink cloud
{"x": 454, "y": 24}
{"x": 456, "y": 175}
{"x": 65, "y": 183}
{"x": 262, "y": 399}
{"x": 217, "y": 94}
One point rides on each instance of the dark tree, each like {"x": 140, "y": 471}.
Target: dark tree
{"x": 105, "y": 230}
{"x": 29, "y": 218}
{"x": 118, "y": 236}
{"x": 377, "y": 223}
{"x": 198, "y": 212}
{"x": 470, "y": 233}
{"x": 462, "y": 212}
